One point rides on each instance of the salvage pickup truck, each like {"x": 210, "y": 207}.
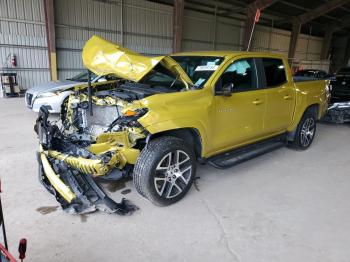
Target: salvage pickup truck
{"x": 163, "y": 115}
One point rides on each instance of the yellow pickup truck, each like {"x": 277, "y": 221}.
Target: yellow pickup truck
{"x": 164, "y": 114}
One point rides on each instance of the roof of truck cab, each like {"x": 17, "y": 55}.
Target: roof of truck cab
{"x": 227, "y": 53}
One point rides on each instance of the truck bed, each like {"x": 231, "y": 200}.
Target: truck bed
{"x": 314, "y": 89}
{"x": 305, "y": 78}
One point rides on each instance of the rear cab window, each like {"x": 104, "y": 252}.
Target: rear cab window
{"x": 275, "y": 72}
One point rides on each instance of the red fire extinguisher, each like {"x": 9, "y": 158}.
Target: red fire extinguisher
{"x": 13, "y": 60}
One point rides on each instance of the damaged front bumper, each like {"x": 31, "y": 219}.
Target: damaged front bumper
{"x": 70, "y": 175}
{"x": 338, "y": 113}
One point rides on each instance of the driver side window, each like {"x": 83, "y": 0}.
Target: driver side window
{"x": 241, "y": 74}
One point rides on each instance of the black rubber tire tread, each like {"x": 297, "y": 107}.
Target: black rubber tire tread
{"x": 146, "y": 164}
{"x": 296, "y": 143}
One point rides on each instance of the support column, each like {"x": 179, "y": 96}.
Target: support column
{"x": 293, "y": 40}
{"x": 347, "y": 54}
{"x": 326, "y": 43}
{"x": 50, "y": 36}
{"x": 178, "y": 17}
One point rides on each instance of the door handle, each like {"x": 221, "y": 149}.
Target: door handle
{"x": 287, "y": 97}
{"x": 257, "y": 102}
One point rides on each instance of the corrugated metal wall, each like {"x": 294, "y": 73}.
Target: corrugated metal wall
{"x": 308, "y": 48}
{"x": 205, "y": 32}
{"x": 201, "y": 32}
{"x": 22, "y": 33}
{"x": 146, "y": 27}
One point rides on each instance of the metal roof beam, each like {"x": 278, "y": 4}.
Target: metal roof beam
{"x": 321, "y": 10}
{"x": 306, "y": 9}
{"x": 307, "y": 17}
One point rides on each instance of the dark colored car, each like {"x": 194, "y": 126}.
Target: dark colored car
{"x": 339, "y": 108}
{"x": 310, "y": 74}
{"x": 341, "y": 86}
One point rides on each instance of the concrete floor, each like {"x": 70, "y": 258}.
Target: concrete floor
{"x": 283, "y": 206}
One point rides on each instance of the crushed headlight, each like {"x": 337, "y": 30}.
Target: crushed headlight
{"x": 129, "y": 118}
{"x": 135, "y": 113}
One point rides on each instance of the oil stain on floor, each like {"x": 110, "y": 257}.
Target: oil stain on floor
{"x": 113, "y": 186}
{"x": 195, "y": 183}
{"x": 83, "y": 218}
{"x": 47, "y": 210}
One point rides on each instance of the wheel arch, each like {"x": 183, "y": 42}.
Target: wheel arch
{"x": 191, "y": 136}
{"x": 315, "y": 109}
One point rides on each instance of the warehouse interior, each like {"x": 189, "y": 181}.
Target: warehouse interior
{"x": 287, "y": 205}
{"x": 147, "y": 27}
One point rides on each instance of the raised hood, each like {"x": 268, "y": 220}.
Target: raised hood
{"x": 104, "y": 57}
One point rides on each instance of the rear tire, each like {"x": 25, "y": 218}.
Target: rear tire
{"x": 165, "y": 170}
{"x": 305, "y": 132}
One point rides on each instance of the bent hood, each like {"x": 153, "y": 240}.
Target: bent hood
{"x": 104, "y": 57}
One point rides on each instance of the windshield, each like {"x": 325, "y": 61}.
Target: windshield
{"x": 162, "y": 80}
{"x": 82, "y": 77}
{"x": 199, "y": 68}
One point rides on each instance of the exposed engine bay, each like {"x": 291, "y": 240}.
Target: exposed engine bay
{"x": 103, "y": 144}
{"x": 107, "y": 106}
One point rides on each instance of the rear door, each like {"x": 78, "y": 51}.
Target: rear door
{"x": 280, "y": 95}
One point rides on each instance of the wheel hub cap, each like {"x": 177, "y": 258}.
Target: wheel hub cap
{"x": 307, "y": 132}
{"x": 173, "y": 174}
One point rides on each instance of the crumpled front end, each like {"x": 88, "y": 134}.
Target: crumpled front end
{"x": 338, "y": 113}
{"x": 71, "y": 160}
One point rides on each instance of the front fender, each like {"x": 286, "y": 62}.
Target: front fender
{"x": 181, "y": 123}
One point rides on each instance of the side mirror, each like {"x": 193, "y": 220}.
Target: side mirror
{"x": 226, "y": 90}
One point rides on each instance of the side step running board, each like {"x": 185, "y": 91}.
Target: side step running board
{"x": 245, "y": 153}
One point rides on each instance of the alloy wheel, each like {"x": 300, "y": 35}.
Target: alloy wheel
{"x": 307, "y": 132}
{"x": 173, "y": 174}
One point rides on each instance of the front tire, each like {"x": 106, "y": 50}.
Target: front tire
{"x": 305, "y": 132}
{"x": 165, "y": 170}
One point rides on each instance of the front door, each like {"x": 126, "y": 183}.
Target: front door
{"x": 240, "y": 116}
